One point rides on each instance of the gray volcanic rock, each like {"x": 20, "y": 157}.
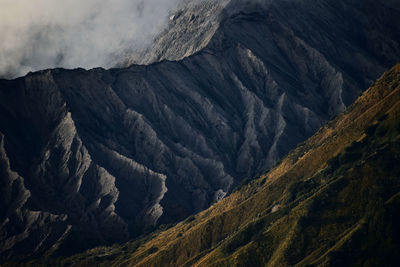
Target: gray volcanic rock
{"x": 100, "y": 156}
{"x": 23, "y": 231}
{"x": 189, "y": 30}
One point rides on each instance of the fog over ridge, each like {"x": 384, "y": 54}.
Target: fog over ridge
{"x": 44, "y": 34}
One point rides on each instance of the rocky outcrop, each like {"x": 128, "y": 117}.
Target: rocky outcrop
{"x": 190, "y": 29}
{"x": 103, "y": 155}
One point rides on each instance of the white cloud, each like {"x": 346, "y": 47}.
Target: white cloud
{"x": 43, "y": 34}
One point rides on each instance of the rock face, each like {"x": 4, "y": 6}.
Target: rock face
{"x": 99, "y": 156}
{"x": 332, "y": 201}
{"x": 190, "y": 29}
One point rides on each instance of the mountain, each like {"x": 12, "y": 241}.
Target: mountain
{"x": 90, "y": 157}
{"x": 333, "y": 201}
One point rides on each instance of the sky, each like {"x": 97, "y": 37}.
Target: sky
{"x": 40, "y": 34}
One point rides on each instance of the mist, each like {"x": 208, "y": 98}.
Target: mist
{"x": 44, "y": 34}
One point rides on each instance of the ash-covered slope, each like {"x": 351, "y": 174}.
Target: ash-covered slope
{"x": 189, "y": 30}
{"x": 333, "y": 201}
{"x": 99, "y": 156}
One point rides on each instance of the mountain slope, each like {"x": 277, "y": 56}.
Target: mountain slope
{"x": 333, "y": 201}
{"x": 189, "y": 30}
{"x": 102, "y": 156}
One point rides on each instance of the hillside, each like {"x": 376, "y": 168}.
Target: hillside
{"x": 95, "y": 157}
{"x": 333, "y": 201}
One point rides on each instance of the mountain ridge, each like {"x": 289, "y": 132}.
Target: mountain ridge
{"x": 338, "y": 208}
{"x": 108, "y": 154}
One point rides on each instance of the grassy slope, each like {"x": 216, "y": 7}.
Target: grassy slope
{"x": 335, "y": 200}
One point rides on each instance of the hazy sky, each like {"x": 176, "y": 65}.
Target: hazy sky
{"x": 39, "y": 34}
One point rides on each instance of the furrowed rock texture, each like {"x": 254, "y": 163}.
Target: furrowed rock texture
{"x": 332, "y": 201}
{"x": 100, "y": 156}
{"x": 189, "y": 30}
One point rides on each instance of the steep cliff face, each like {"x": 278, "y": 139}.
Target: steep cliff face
{"x": 100, "y": 156}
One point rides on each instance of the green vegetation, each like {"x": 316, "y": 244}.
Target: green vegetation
{"x": 189, "y": 219}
